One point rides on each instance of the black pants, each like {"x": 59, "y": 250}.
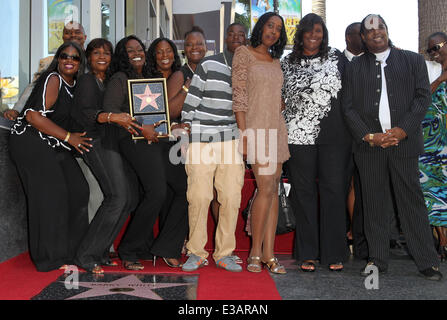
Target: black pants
{"x": 174, "y": 216}
{"x": 320, "y": 208}
{"x": 57, "y": 197}
{"x": 360, "y": 245}
{"x": 156, "y": 176}
{"x": 376, "y": 169}
{"x": 106, "y": 164}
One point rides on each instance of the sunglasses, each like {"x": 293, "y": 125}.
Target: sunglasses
{"x": 436, "y": 47}
{"x": 65, "y": 56}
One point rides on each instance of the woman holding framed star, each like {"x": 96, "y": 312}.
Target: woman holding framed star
{"x": 144, "y": 156}
{"x": 103, "y": 159}
{"x": 164, "y": 61}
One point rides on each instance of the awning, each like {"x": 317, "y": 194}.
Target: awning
{"x": 196, "y": 6}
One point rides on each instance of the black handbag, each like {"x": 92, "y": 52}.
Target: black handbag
{"x": 286, "y": 216}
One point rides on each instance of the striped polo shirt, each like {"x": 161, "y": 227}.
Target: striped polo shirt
{"x": 208, "y": 107}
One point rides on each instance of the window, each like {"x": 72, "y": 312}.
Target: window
{"x": 58, "y": 14}
{"x": 14, "y": 56}
{"x": 164, "y": 20}
{"x": 108, "y": 27}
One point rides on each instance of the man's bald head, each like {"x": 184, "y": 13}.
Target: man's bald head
{"x": 74, "y": 31}
{"x": 354, "y": 42}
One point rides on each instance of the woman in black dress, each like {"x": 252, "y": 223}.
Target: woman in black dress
{"x": 103, "y": 159}
{"x": 144, "y": 156}
{"x": 164, "y": 62}
{"x": 40, "y": 144}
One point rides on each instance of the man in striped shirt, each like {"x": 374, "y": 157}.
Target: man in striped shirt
{"x": 212, "y": 158}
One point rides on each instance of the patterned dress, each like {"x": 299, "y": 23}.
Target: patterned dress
{"x": 433, "y": 163}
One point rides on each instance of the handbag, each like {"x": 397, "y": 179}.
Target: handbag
{"x": 286, "y": 216}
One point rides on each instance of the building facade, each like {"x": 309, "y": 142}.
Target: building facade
{"x": 33, "y": 30}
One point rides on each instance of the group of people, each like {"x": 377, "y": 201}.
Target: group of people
{"x": 338, "y": 123}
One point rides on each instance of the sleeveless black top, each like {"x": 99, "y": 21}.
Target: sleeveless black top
{"x": 59, "y": 113}
{"x": 187, "y": 72}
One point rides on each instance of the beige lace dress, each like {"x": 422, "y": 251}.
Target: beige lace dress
{"x": 257, "y": 92}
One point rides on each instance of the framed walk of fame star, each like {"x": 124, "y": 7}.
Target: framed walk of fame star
{"x": 148, "y": 101}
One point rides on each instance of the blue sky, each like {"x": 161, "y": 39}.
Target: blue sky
{"x": 401, "y": 16}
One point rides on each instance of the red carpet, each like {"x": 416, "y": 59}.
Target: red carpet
{"x": 19, "y": 280}
{"x": 283, "y": 243}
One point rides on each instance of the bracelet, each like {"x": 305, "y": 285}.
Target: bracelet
{"x": 108, "y": 117}
{"x": 185, "y": 89}
{"x": 67, "y": 137}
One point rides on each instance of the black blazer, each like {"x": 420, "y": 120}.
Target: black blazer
{"x": 409, "y": 96}
{"x": 334, "y": 129}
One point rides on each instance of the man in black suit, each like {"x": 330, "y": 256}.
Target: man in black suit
{"x": 386, "y": 95}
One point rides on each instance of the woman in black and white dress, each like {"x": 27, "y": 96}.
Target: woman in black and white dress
{"x": 40, "y": 144}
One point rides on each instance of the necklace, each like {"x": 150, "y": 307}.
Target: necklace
{"x": 308, "y": 58}
{"x": 100, "y": 84}
{"x": 190, "y": 67}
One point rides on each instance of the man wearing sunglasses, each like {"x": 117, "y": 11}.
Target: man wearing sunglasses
{"x": 386, "y": 95}
{"x": 73, "y": 31}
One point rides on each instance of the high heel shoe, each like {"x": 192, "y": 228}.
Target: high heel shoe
{"x": 274, "y": 266}
{"x": 132, "y": 265}
{"x": 94, "y": 269}
{"x": 254, "y": 264}
{"x": 169, "y": 263}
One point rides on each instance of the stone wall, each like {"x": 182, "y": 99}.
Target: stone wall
{"x": 13, "y": 219}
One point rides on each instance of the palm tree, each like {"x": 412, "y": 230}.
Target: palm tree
{"x": 432, "y": 18}
{"x": 319, "y": 7}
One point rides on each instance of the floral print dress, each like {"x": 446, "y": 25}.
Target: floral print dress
{"x": 308, "y": 89}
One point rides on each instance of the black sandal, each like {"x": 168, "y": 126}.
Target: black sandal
{"x": 94, "y": 269}
{"x": 110, "y": 263}
{"x": 308, "y": 266}
{"x": 131, "y": 265}
{"x": 338, "y": 266}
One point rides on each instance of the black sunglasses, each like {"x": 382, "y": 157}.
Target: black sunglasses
{"x": 65, "y": 56}
{"x": 436, "y": 47}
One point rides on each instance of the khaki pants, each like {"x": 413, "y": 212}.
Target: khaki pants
{"x": 219, "y": 165}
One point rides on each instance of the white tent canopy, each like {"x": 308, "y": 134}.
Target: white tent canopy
{"x": 196, "y": 6}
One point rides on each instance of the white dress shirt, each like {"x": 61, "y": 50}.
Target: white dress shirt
{"x": 384, "y": 107}
{"x": 349, "y": 55}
